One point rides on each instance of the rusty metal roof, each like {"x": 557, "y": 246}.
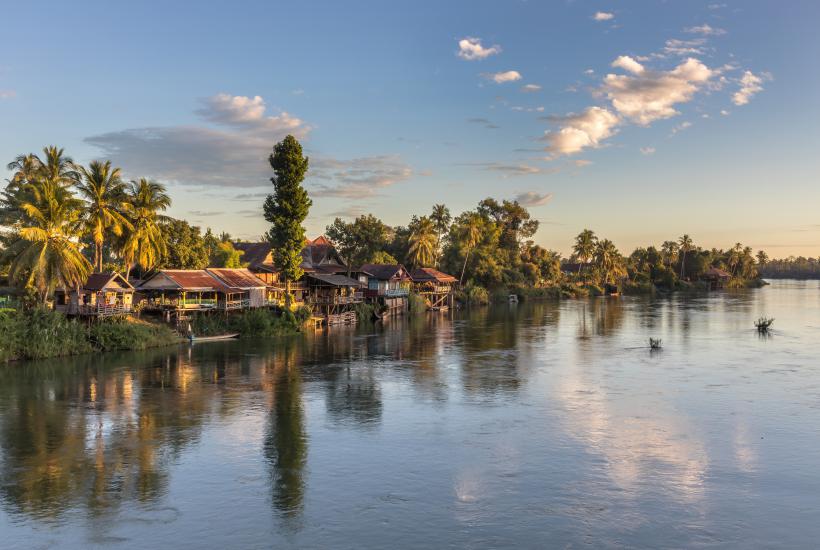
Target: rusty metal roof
{"x": 428, "y": 274}
{"x": 237, "y": 278}
{"x": 192, "y": 280}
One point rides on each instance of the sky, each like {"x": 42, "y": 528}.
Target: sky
{"x": 640, "y": 120}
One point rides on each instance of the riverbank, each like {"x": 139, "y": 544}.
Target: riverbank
{"x": 39, "y": 333}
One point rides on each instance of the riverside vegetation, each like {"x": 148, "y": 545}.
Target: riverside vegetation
{"x": 63, "y": 221}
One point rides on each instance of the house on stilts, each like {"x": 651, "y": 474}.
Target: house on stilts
{"x": 387, "y": 286}
{"x": 102, "y": 295}
{"x": 437, "y": 288}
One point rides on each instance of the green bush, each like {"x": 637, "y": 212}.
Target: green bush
{"x": 251, "y": 323}
{"x": 416, "y": 303}
{"x": 40, "y": 332}
{"x": 366, "y": 313}
{"x": 475, "y": 295}
{"x": 129, "y": 334}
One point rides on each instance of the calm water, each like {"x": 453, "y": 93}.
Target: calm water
{"x": 534, "y": 425}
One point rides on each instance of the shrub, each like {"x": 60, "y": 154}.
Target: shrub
{"x": 129, "y": 334}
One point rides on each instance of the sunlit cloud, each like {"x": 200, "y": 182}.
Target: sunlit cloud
{"x": 652, "y": 95}
{"x": 471, "y": 49}
{"x": 502, "y": 77}
{"x": 7, "y": 94}
{"x": 647, "y": 151}
{"x": 359, "y": 177}
{"x": 750, "y": 84}
{"x": 581, "y": 131}
{"x": 530, "y": 88}
{"x": 603, "y": 16}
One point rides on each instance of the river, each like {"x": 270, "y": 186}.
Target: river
{"x": 532, "y": 425}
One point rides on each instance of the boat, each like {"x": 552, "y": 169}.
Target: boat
{"x": 193, "y": 338}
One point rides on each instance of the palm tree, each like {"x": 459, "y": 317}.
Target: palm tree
{"x": 584, "y": 247}
{"x": 471, "y": 236}
{"x": 46, "y": 254}
{"x": 762, "y": 257}
{"x": 25, "y": 169}
{"x": 144, "y": 244}
{"x": 609, "y": 261}
{"x": 670, "y": 252}
{"x": 102, "y": 187}
{"x": 441, "y": 221}
{"x": 685, "y": 243}
{"x": 423, "y": 243}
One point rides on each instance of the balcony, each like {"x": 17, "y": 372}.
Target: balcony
{"x": 356, "y": 298}
{"x": 395, "y": 292}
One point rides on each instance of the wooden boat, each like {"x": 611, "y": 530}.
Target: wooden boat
{"x": 193, "y": 338}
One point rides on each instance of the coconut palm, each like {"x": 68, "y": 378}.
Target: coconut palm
{"x": 608, "y": 261}
{"x": 470, "y": 236}
{"x": 423, "y": 242}
{"x": 762, "y": 257}
{"x": 584, "y": 247}
{"x": 104, "y": 192}
{"x": 46, "y": 254}
{"x": 144, "y": 244}
{"x": 441, "y": 219}
{"x": 25, "y": 169}
{"x": 685, "y": 246}
{"x": 670, "y": 252}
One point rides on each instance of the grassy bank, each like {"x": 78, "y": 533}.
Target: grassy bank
{"x": 39, "y": 333}
{"x": 251, "y": 323}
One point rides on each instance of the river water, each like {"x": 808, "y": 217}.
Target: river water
{"x": 531, "y": 425}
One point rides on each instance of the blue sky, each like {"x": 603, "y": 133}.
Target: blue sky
{"x": 639, "y": 120}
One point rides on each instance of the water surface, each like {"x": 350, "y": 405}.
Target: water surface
{"x": 546, "y": 424}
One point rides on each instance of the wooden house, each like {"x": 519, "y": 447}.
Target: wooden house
{"x": 102, "y": 295}
{"x": 333, "y": 296}
{"x": 436, "y": 287}
{"x": 716, "y": 277}
{"x": 387, "y": 285}
{"x": 318, "y": 256}
{"x": 189, "y": 290}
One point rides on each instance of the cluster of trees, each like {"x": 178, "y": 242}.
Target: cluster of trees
{"x": 65, "y": 221}
{"x": 791, "y": 268}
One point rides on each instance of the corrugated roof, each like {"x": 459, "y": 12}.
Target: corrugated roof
{"x": 318, "y": 255}
{"x": 428, "y": 274}
{"x": 100, "y": 281}
{"x": 717, "y": 272}
{"x": 335, "y": 280}
{"x": 193, "y": 279}
{"x": 240, "y": 278}
{"x": 383, "y": 272}
{"x": 257, "y": 255}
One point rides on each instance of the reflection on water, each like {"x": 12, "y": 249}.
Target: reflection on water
{"x": 529, "y": 425}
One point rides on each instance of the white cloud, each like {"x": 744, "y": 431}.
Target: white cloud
{"x": 603, "y": 16}
{"x": 245, "y": 112}
{"x": 651, "y": 95}
{"x": 580, "y": 163}
{"x": 502, "y": 77}
{"x": 579, "y": 131}
{"x": 628, "y": 64}
{"x": 724, "y": 112}
{"x": 530, "y": 88}
{"x": 685, "y": 47}
{"x": 471, "y": 49}
{"x": 507, "y": 170}
{"x": 647, "y": 150}
{"x": 705, "y": 30}
{"x": 359, "y": 177}
{"x": 7, "y": 94}
{"x": 750, "y": 84}
{"x": 533, "y": 198}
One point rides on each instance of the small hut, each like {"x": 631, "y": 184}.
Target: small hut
{"x": 102, "y": 295}
{"x": 436, "y": 287}
{"x": 188, "y": 290}
{"x": 716, "y": 277}
{"x": 387, "y": 285}
{"x": 333, "y": 297}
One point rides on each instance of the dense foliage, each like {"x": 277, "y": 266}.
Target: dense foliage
{"x": 791, "y": 268}
{"x": 38, "y": 332}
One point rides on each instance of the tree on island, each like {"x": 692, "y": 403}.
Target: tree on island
{"x": 686, "y": 245}
{"x": 286, "y": 210}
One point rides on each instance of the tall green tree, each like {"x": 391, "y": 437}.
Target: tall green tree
{"x": 423, "y": 242}
{"x": 685, "y": 245}
{"x": 762, "y": 258}
{"x": 144, "y": 243}
{"x": 359, "y": 241}
{"x": 45, "y": 254}
{"x": 287, "y": 208}
{"x": 441, "y": 219}
{"x": 469, "y": 235}
{"x": 608, "y": 261}
{"x": 104, "y": 191}
{"x": 185, "y": 248}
